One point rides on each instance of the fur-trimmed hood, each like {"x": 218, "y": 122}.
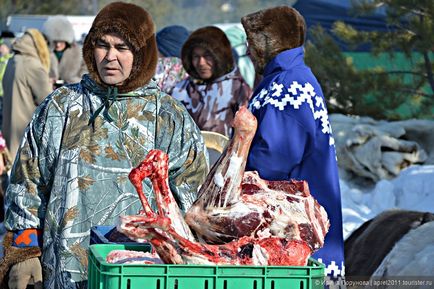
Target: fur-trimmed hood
{"x": 58, "y": 28}
{"x": 271, "y": 31}
{"x": 215, "y": 41}
{"x": 135, "y": 25}
{"x": 33, "y": 43}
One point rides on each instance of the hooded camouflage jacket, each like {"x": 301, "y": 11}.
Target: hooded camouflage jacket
{"x": 69, "y": 176}
{"x": 213, "y": 105}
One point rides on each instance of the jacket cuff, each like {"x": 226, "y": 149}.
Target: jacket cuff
{"x": 27, "y": 238}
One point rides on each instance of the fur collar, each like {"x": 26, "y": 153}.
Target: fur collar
{"x": 215, "y": 41}
{"x": 272, "y": 31}
{"x": 41, "y": 47}
{"x": 135, "y": 25}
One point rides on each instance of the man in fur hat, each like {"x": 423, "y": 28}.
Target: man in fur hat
{"x": 67, "y": 65}
{"x": 215, "y": 88}
{"x": 294, "y": 138}
{"x": 71, "y": 171}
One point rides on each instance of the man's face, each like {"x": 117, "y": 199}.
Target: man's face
{"x": 59, "y": 45}
{"x": 203, "y": 62}
{"x": 114, "y": 59}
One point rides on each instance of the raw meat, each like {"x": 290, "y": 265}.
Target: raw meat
{"x": 132, "y": 257}
{"x": 247, "y": 220}
{"x": 280, "y": 208}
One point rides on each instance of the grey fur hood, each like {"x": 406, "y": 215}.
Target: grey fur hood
{"x": 58, "y": 28}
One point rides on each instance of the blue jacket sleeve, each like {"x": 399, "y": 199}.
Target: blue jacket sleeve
{"x": 279, "y": 146}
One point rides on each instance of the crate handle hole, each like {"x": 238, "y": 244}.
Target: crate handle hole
{"x": 255, "y": 284}
{"x": 206, "y": 284}
{"x": 301, "y": 285}
{"x": 272, "y": 284}
{"x": 128, "y": 283}
{"x": 225, "y": 284}
{"x": 175, "y": 285}
{"x": 158, "y": 283}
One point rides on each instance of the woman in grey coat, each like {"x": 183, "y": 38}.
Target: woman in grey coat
{"x": 67, "y": 64}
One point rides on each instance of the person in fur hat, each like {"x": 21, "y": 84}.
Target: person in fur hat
{"x": 294, "y": 137}
{"x": 71, "y": 171}
{"x": 67, "y": 64}
{"x": 215, "y": 89}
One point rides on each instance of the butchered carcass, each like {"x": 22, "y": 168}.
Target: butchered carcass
{"x": 277, "y": 208}
{"x": 238, "y": 217}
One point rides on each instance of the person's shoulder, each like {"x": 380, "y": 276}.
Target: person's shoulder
{"x": 169, "y": 101}
{"x": 293, "y": 87}
{"x": 182, "y": 83}
{"x": 74, "y": 49}
{"x": 63, "y": 95}
{"x": 70, "y": 89}
{"x": 171, "y": 105}
{"x": 291, "y": 94}
{"x": 27, "y": 61}
{"x": 179, "y": 91}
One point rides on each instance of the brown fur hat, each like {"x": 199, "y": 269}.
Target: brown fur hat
{"x": 271, "y": 31}
{"x": 215, "y": 41}
{"x": 135, "y": 26}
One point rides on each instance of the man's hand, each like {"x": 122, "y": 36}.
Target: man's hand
{"x": 21, "y": 273}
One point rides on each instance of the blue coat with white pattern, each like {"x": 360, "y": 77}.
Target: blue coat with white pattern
{"x": 294, "y": 141}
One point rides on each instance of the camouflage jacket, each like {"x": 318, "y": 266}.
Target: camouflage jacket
{"x": 213, "y": 105}
{"x": 69, "y": 176}
{"x": 169, "y": 72}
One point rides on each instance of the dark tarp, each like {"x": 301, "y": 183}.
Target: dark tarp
{"x": 326, "y": 12}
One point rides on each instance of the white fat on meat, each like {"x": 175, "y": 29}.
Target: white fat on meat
{"x": 259, "y": 256}
{"x": 219, "y": 180}
{"x": 132, "y": 257}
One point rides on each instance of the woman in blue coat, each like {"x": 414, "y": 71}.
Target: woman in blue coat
{"x": 294, "y": 138}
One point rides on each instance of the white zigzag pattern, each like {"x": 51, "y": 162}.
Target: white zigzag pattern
{"x": 338, "y": 270}
{"x": 298, "y": 94}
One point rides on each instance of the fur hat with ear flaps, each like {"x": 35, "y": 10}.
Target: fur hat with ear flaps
{"x": 215, "y": 41}
{"x": 135, "y": 26}
{"x": 271, "y": 31}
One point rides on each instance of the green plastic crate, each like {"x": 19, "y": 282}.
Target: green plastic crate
{"x": 103, "y": 275}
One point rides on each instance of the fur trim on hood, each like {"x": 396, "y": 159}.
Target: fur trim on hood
{"x": 135, "y": 26}
{"x": 58, "y": 28}
{"x": 33, "y": 43}
{"x": 215, "y": 41}
{"x": 271, "y": 31}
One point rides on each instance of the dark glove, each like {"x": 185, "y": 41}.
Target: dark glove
{"x": 14, "y": 255}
